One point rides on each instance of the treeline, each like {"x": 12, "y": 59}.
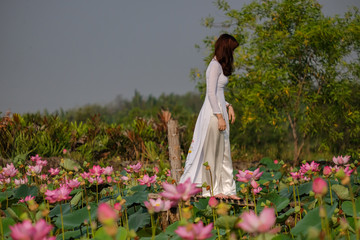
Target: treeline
{"x": 124, "y": 111}
{"x": 123, "y": 129}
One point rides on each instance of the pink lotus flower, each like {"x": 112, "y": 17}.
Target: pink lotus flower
{"x": 59, "y": 194}
{"x": 147, "y": 180}
{"x": 108, "y": 170}
{"x": 34, "y": 170}
{"x": 41, "y": 163}
{"x": 26, "y": 199}
{"x": 346, "y": 170}
{"x": 26, "y": 231}
{"x": 297, "y": 175}
{"x": 276, "y": 161}
{"x": 96, "y": 170}
{"x": 85, "y": 175}
{"x": 195, "y": 231}
{"x": 106, "y": 214}
{"x": 109, "y": 179}
{"x": 254, "y": 224}
{"x": 157, "y": 205}
{"x": 213, "y": 202}
{"x": 327, "y": 171}
{"x": 133, "y": 168}
{"x": 43, "y": 177}
{"x": 182, "y": 191}
{"x": 73, "y": 183}
{"x": 320, "y": 187}
{"x": 117, "y": 206}
{"x": 54, "y": 172}
{"x": 5, "y": 180}
{"x": 9, "y": 170}
{"x": 313, "y": 167}
{"x": 256, "y": 187}
{"x": 125, "y": 178}
{"x": 247, "y": 175}
{"x": 340, "y": 160}
{"x": 35, "y": 158}
{"x": 21, "y": 181}
{"x": 95, "y": 180}
{"x": 256, "y": 190}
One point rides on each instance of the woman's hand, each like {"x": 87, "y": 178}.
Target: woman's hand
{"x": 231, "y": 114}
{"x": 221, "y": 122}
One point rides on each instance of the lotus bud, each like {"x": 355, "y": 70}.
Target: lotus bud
{"x": 313, "y": 233}
{"x": 222, "y": 209}
{"x": 340, "y": 174}
{"x": 344, "y": 224}
{"x": 213, "y": 202}
{"x": 322, "y": 212}
{"x": 24, "y": 216}
{"x": 345, "y": 180}
{"x": 320, "y": 187}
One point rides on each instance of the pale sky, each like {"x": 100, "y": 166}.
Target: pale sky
{"x": 66, "y": 53}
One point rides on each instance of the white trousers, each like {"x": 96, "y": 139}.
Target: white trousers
{"x": 216, "y": 152}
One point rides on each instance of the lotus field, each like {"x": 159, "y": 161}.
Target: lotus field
{"x": 314, "y": 201}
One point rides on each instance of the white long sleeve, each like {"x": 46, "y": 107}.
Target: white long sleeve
{"x": 214, "y": 73}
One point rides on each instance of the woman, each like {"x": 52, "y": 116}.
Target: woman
{"x": 211, "y": 135}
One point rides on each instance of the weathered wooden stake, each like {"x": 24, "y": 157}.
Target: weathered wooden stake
{"x": 174, "y": 149}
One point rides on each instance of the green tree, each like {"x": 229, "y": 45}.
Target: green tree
{"x": 297, "y": 71}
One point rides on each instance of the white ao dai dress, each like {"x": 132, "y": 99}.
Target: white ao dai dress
{"x": 209, "y": 144}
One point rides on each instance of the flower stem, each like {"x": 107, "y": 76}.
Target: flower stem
{"x": 297, "y": 190}
{"x": 212, "y": 184}
{"x": 180, "y": 213}
{"x": 354, "y": 211}
{"x": 331, "y": 199}
{"x": 1, "y": 229}
{"x": 152, "y": 227}
{"x": 97, "y": 192}
{"x": 247, "y": 201}
{"x": 294, "y": 195}
{"x": 92, "y": 230}
{"x": 254, "y": 203}
{"x": 62, "y": 222}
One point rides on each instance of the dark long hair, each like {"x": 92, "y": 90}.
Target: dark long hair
{"x": 224, "y": 48}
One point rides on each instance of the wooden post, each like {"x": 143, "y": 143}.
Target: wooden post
{"x": 174, "y": 149}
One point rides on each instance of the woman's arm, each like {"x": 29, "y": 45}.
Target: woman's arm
{"x": 214, "y": 73}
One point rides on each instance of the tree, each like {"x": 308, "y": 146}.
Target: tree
{"x": 297, "y": 71}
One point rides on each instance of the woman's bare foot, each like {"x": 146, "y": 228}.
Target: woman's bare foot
{"x": 221, "y": 195}
{"x": 234, "y": 197}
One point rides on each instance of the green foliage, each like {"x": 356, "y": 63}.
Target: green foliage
{"x": 312, "y": 219}
{"x": 72, "y": 219}
{"x": 347, "y": 207}
{"x": 25, "y": 190}
{"x": 139, "y": 219}
{"x": 298, "y": 75}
